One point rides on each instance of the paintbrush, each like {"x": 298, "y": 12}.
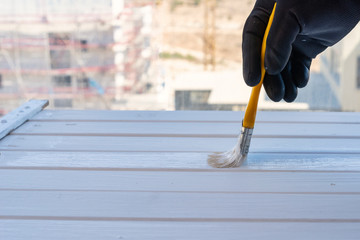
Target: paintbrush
{"x": 236, "y": 156}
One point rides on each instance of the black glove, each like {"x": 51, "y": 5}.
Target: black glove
{"x": 301, "y": 30}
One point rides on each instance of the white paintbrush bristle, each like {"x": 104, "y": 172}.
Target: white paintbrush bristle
{"x": 236, "y": 156}
{"x": 227, "y": 159}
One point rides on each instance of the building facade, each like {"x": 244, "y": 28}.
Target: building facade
{"x": 77, "y": 54}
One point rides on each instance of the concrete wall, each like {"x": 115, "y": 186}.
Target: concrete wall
{"x": 349, "y": 91}
{"x": 339, "y": 66}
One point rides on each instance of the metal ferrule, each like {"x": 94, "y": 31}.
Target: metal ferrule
{"x": 246, "y": 134}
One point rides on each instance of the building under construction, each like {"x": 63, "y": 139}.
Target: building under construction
{"x": 77, "y": 54}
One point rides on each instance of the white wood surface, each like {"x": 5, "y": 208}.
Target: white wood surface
{"x": 176, "y": 144}
{"x": 196, "y": 116}
{"x": 173, "y": 160}
{"x": 179, "y": 181}
{"x": 188, "y": 129}
{"x": 165, "y": 230}
{"x": 144, "y": 175}
{"x": 180, "y": 206}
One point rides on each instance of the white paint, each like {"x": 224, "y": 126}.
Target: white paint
{"x": 175, "y": 160}
{"x": 177, "y": 144}
{"x": 202, "y": 116}
{"x": 187, "y": 129}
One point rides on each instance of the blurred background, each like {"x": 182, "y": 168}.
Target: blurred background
{"x": 149, "y": 55}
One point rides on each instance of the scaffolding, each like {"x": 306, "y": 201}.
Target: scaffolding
{"x": 209, "y": 34}
{"x": 68, "y": 52}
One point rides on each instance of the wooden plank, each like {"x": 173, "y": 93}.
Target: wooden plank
{"x": 95, "y": 230}
{"x": 175, "y": 160}
{"x": 98, "y": 187}
{"x": 202, "y": 116}
{"x": 187, "y": 129}
{"x": 168, "y": 206}
{"x": 173, "y": 181}
{"x": 175, "y": 144}
{"x": 20, "y": 115}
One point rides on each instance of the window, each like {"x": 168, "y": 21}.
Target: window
{"x": 63, "y": 103}
{"x": 83, "y": 82}
{"x": 83, "y": 45}
{"x": 62, "y": 81}
{"x": 191, "y": 100}
{"x": 60, "y": 59}
{"x": 60, "y": 55}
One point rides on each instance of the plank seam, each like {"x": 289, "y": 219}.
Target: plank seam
{"x": 187, "y": 121}
{"x": 169, "y": 151}
{"x": 174, "y": 191}
{"x": 160, "y": 135}
{"x": 209, "y": 169}
{"x": 137, "y": 219}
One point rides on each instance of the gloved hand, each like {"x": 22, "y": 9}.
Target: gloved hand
{"x": 301, "y": 30}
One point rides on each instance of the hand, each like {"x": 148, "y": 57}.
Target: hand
{"x": 301, "y": 30}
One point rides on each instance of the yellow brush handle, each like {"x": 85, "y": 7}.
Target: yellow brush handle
{"x": 250, "y": 113}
